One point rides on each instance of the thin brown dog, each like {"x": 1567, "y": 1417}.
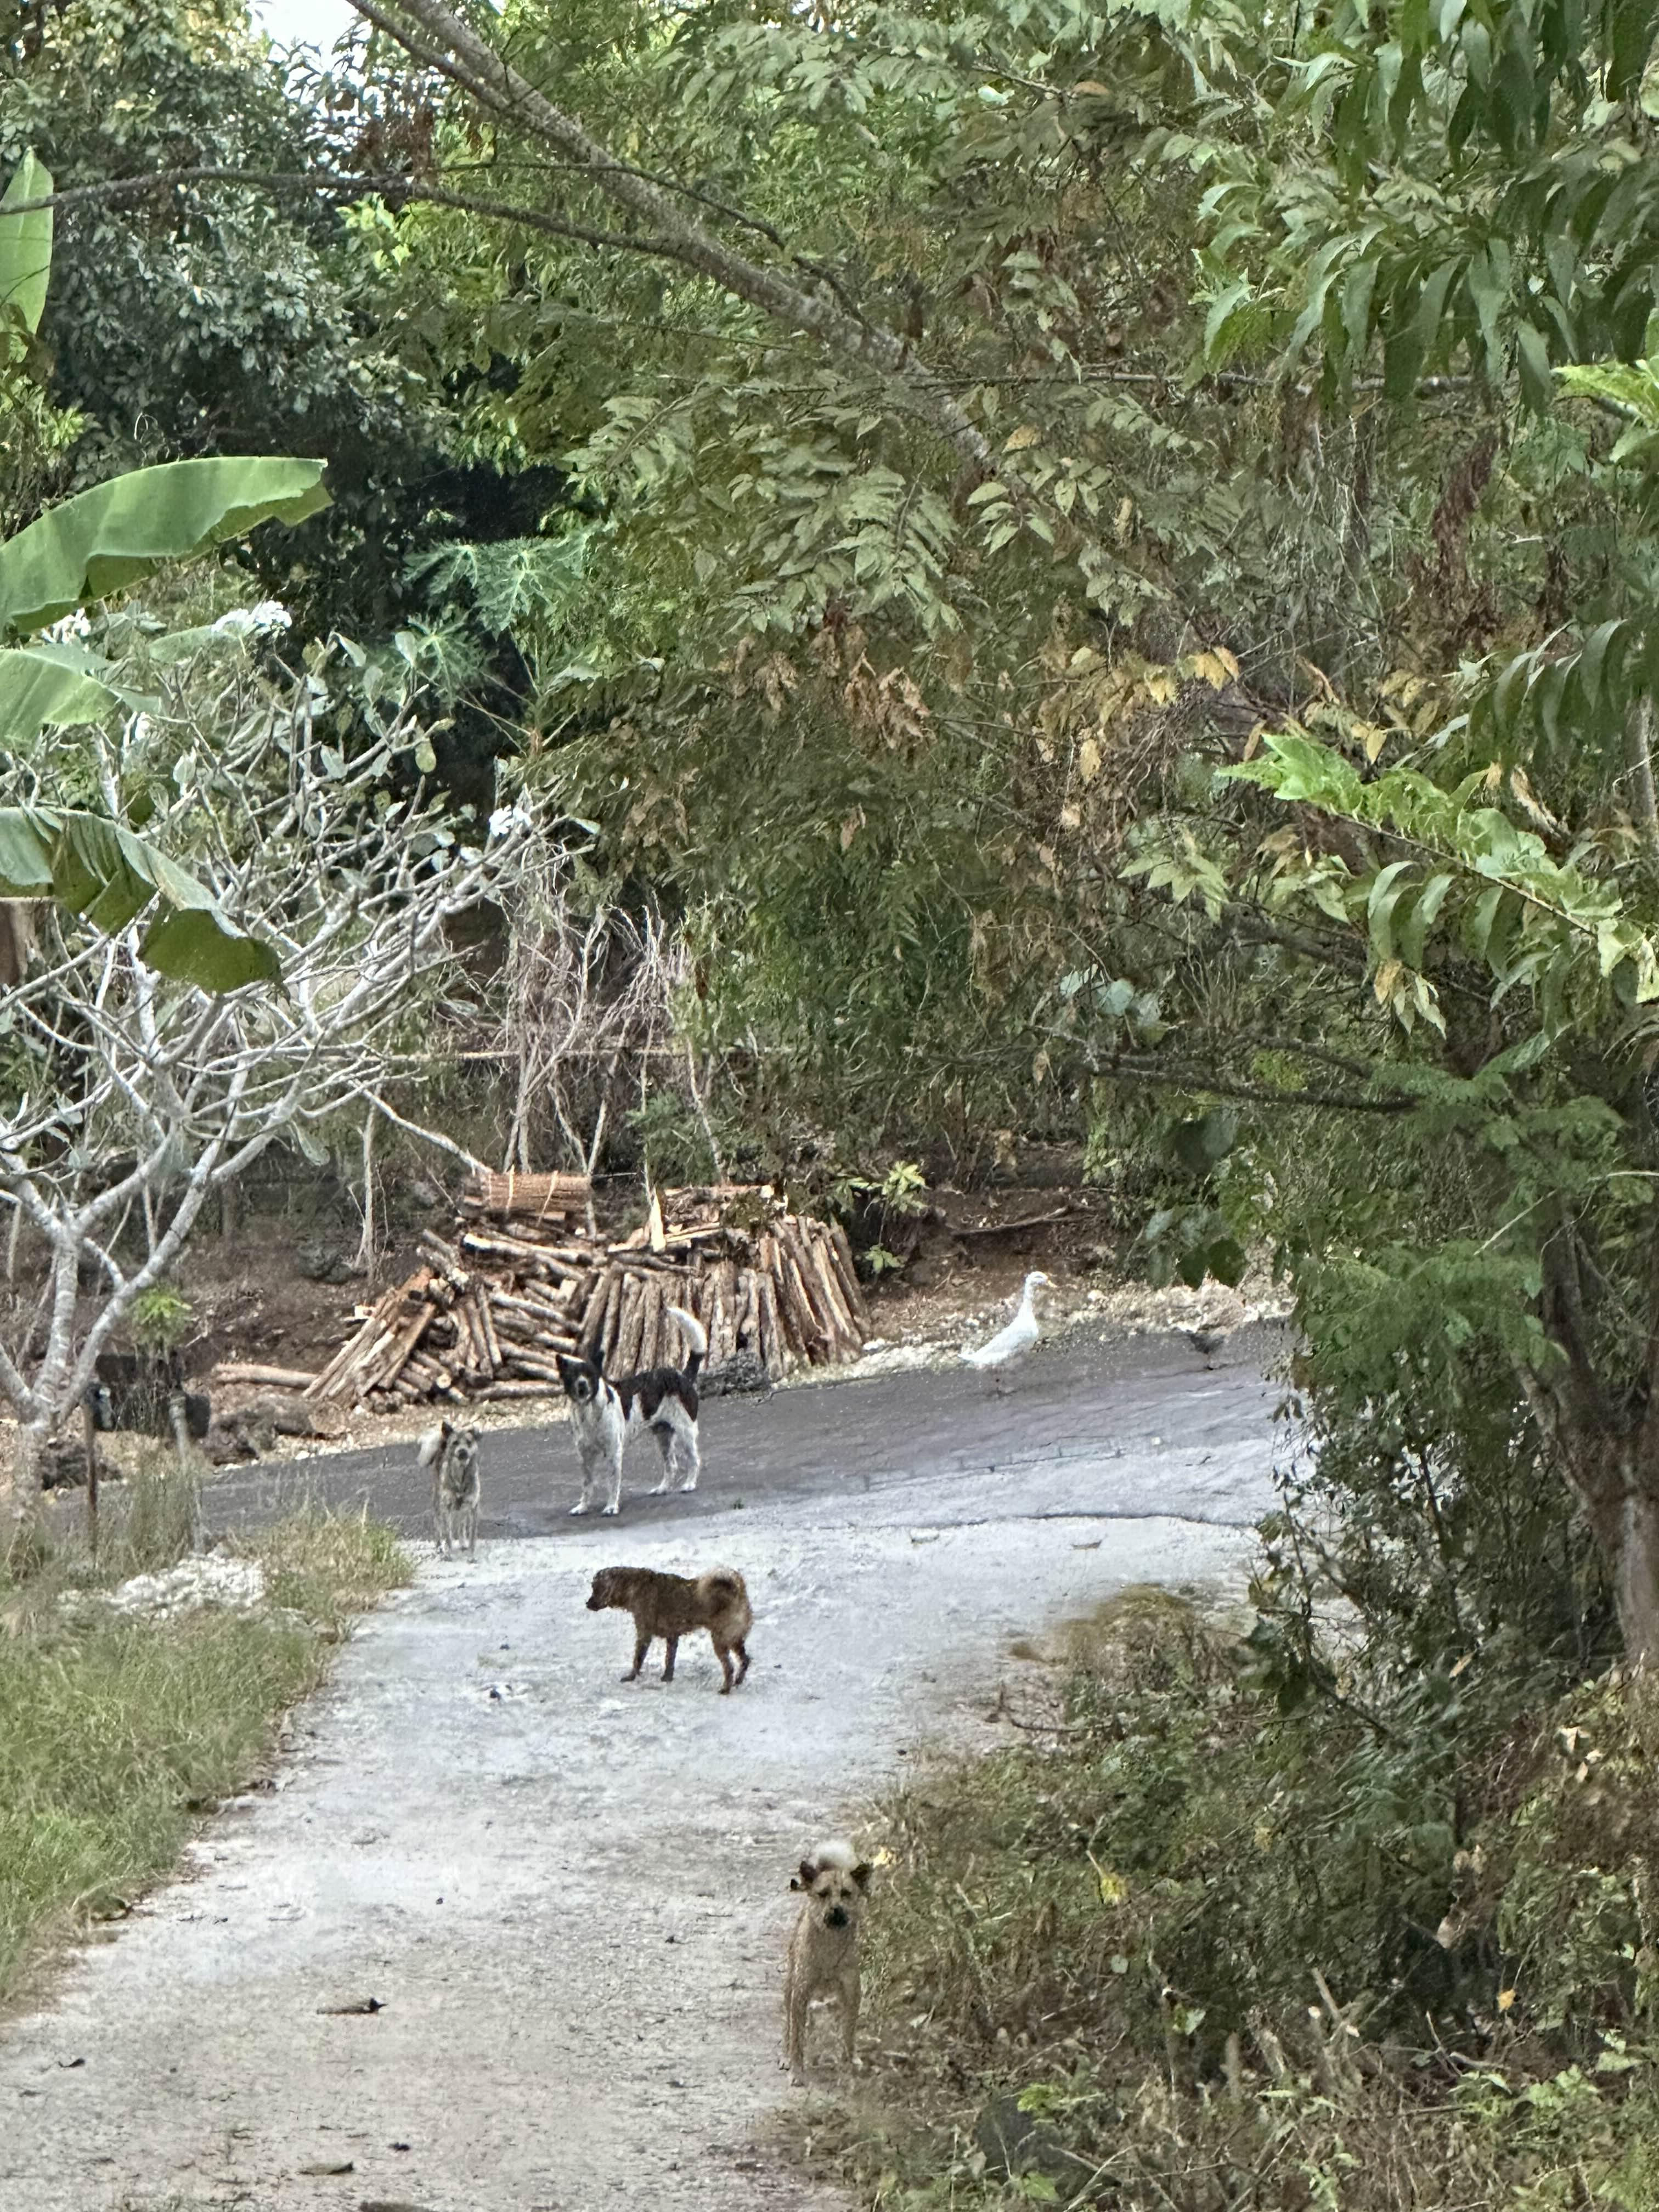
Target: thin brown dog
{"x": 670, "y": 1605}
{"x": 824, "y": 1951}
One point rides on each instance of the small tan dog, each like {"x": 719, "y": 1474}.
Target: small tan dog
{"x": 670, "y": 1605}
{"x": 824, "y": 1951}
{"x": 452, "y": 1453}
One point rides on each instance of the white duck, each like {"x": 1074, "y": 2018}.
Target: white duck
{"x": 1014, "y": 1342}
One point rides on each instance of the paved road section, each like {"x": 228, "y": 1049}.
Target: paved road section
{"x": 1122, "y": 1428}
{"x": 568, "y": 1896}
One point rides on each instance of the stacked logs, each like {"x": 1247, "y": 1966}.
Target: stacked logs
{"x": 487, "y": 1314}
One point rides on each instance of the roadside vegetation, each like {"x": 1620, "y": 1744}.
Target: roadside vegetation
{"x": 1185, "y": 1945}
{"x": 118, "y": 1732}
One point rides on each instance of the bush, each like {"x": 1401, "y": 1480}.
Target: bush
{"x": 1185, "y": 1945}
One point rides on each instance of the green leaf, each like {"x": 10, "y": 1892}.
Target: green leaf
{"x": 57, "y": 687}
{"x": 1414, "y": 928}
{"x": 1386, "y": 893}
{"x": 1227, "y": 1261}
{"x": 26, "y": 243}
{"x": 1532, "y": 359}
{"x": 25, "y": 856}
{"x": 197, "y": 945}
{"x": 102, "y": 869}
{"x": 120, "y": 532}
{"x": 1199, "y": 1144}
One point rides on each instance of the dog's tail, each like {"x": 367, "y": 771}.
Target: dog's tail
{"x": 722, "y": 1591}
{"x": 432, "y": 1444}
{"x": 723, "y": 1583}
{"x": 696, "y": 1336}
{"x": 833, "y": 1852}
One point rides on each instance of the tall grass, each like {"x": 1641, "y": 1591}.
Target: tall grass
{"x": 1182, "y": 1950}
{"x": 115, "y": 1734}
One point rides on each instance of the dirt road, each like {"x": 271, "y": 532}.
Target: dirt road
{"x": 570, "y": 1896}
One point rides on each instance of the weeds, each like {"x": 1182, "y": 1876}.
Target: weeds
{"x": 1184, "y": 1949}
{"x": 116, "y": 1733}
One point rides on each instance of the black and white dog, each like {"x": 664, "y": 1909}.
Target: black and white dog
{"x": 607, "y": 1416}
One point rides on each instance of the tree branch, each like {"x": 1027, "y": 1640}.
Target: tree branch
{"x": 448, "y": 44}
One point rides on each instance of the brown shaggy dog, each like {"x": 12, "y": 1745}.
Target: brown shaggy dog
{"x": 671, "y": 1607}
{"x": 824, "y": 1951}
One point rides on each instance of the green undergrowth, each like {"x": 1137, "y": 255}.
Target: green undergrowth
{"x": 115, "y": 1734}
{"x": 1186, "y": 1949}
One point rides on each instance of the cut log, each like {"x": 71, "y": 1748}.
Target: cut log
{"x": 631, "y": 1327}
{"x": 848, "y": 1335}
{"x": 473, "y": 1343}
{"x": 374, "y": 1323}
{"x": 275, "y": 1378}
{"x": 518, "y": 1389}
{"x": 437, "y": 1247}
{"x": 611, "y": 1324}
{"x": 817, "y": 1340}
{"x": 592, "y": 1311}
{"x": 484, "y": 1328}
{"x": 748, "y": 1320}
{"x": 851, "y": 1286}
{"x": 788, "y": 1326}
{"x": 535, "y": 1195}
{"x": 402, "y": 1344}
{"x": 775, "y": 1349}
{"x": 536, "y": 1364}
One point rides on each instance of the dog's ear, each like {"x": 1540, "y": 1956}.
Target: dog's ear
{"x": 862, "y": 1872}
{"x": 807, "y": 1875}
{"x": 568, "y": 1368}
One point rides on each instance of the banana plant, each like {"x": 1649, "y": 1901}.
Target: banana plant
{"x": 77, "y": 553}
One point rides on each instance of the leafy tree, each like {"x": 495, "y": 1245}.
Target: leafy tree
{"x": 127, "y": 1097}
{"x": 994, "y": 423}
{"x": 75, "y": 554}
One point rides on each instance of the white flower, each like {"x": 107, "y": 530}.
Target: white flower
{"x": 254, "y": 622}
{"x": 519, "y": 815}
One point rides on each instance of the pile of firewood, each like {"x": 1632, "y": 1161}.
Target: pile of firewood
{"x": 527, "y": 1276}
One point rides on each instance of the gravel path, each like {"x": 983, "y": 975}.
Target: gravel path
{"x": 570, "y": 1896}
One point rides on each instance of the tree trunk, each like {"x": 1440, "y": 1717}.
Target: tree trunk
{"x": 19, "y": 1487}
{"x": 1624, "y": 1516}
{"x": 1615, "y": 1472}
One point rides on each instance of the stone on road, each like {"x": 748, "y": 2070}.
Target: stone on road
{"x": 570, "y": 1896}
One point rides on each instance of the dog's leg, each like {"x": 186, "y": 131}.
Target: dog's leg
{"x": 742, "y": 1651}
{"x": 794, "y": 2026}
{"x": 722, "y": 1652}
{"x": 615, "y": 1506}
{"x": 850, "y": 2013}
{"x": 472, "y": 1532}
{"x": 673, "y": 1643}
{"x": 588, "y": 1461}
{"x": 690, "y": 1455}
{"x": 665, "y": 1439}
{"x": 641, "y": 1645}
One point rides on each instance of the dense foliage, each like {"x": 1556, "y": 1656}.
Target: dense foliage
{"x": 1074, "y": 571}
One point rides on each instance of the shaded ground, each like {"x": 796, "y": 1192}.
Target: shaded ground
{"x": 570, "y": 1896}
